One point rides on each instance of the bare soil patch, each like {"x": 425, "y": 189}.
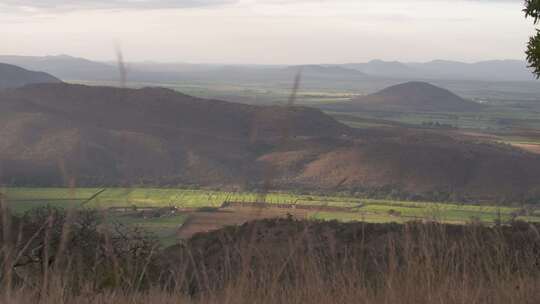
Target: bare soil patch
{"x": 533, "y": 148}
{"x": 199, "y": 222}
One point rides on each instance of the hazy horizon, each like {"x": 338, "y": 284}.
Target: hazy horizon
{"x": 267, "y": 31}
{"x": 151, "y": 61}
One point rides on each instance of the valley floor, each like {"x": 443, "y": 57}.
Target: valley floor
{"x": 174, "y": 214}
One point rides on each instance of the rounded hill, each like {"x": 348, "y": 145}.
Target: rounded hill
{"x": 412, "y": 97}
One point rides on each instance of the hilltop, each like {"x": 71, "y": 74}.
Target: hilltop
{"x": 12, "y": 76}
{"x": 410, "y": 97}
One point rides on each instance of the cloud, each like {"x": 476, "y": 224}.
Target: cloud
{"x": 88, "y": 4}
{"x": 33, "y": 7}
{"x": 112, "y": 4}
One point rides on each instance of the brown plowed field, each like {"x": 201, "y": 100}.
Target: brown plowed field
{"x": 533, "y": 148}
{"x": 199, "y": 222}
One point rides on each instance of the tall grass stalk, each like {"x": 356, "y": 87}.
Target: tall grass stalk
{"x": 287, "y": 261}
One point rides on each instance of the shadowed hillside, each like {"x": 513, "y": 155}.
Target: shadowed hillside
{"x": 60, "y": 134}
{"x": 13, "y": 77}
{"x": 416, "y": 162}
{"x": 97, "y": 135}
{"x": 410, "y": 97}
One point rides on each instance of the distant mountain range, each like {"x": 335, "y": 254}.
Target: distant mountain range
{"x": 72, "y": 68}
{"x": 494, "y": 70}
{"x": 13, "y": 76}
{"x": 78, "y": 69}
{"x": 409, "y": 97}
{"x": 65, "y": 67}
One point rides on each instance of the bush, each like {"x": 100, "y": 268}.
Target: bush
{"x": 48, "y": 239}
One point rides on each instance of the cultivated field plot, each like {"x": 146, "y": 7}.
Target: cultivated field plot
{"x": 205, "y": 221}
{"x": 177, "y": 214}
{"x": 23, "y": 199}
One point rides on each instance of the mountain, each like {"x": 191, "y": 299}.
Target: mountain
{"x": 65, "y": 67}
{"x": 326, "y": 70}
{"x": 102, "y": 135}
{"x": 13, "y": 76}
{"x": 494, "y": 70}
{"x": 62, "y": 134}
{"x": 392, "y": 69}
{"x": 80, "y": 69}
{"x": 72, "y": 68}
{"x": 410, "y": 97}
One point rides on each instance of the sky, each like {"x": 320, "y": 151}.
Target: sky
{"x": 266, "y": 31}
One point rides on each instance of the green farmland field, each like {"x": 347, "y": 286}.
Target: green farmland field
{"x": 23, "y": 199}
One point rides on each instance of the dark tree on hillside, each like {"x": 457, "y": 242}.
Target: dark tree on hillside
{"x": 532, "y": 9}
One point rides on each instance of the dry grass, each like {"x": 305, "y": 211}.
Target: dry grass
{"x": 288, "y": 261}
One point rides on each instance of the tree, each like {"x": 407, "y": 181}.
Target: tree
{"x": 532, "y": 10}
